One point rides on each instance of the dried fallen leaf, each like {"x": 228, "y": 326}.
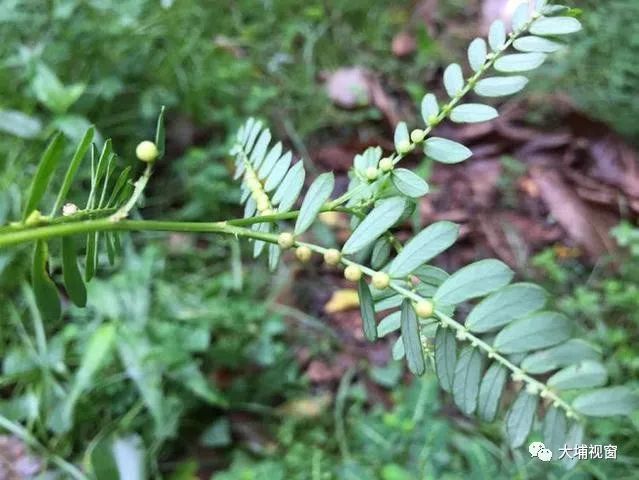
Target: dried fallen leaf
{"x": 342, "y": 300}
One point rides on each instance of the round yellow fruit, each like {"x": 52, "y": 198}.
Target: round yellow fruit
{"x": 381, "y": 280}
{"x": 285, "y": 240}
{"x": 353, "y": 273}
{"x": 424, "y": 309}
{"x": 332, "y": 256}
{"x": 303, "y": 254}
{"x": 404, "y": 147}
{"x": 147, "y": 151}
{"x": 417, "y": 135}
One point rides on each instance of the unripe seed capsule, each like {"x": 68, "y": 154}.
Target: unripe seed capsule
{"x": 432, "y": 120}
{"x": 353, "y": 273}
{"x": 380, "y": 280}
{"x": 285, "y": 240}
{"x": 263, "y": 204}
{"x": 332, "y": 256}
{"x": 372, "y": 173}
{"x": 146, "y": 151}
{"x": 424, "y": 309}
{"x": 386, "y": 164}
{"x": 417, "y": 135}
{"x": 303, "y": 253}
{"x": 404, "y": 147}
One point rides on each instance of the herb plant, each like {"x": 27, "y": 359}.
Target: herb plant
{"x": 507, "y": 336}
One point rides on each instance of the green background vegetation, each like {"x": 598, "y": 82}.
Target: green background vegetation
{"x": 197, "y": 313}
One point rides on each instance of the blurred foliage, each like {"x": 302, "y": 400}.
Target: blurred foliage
{"x": 600, "y": 71}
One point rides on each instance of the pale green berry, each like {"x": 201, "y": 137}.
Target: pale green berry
{"x": 417, "y": 135}
{"x": 285, "y": 240}
{"x": 380, "y": 280}
{"x": 353, "y": 273}
{"x": 386, "y": 164}
{"x": 146, "y": 151}
{"x": 372, "y": 173}
{"x": 432, "y": 120}
{"x": 404, "y": 147}
{"x": 303, "y": 254}
{"x": 424, "y": 309}
{"x": 332, "y": 256}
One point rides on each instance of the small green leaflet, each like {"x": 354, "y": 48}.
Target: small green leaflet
{"x": 250, "y": 208}
{"x": 537, "y": 44}
{"x": 474, "y": 280}
{"x": 274, "y": 252}
{"x": 606, "y": 402}
{"x": 259, "y": 152}
{"x": 429, "y": 107}
{"x": 500, "y": 86}
{"x": 271, "y": 159}
{"x": 367, "y": 310}
{"x": 389, "y": 324}
{"x": 555, "y": 26}
{"x": 290, "y": 188}
{"x": 430, "y": 275}
{"x": 586, "y": 374}
{"x": 521, "y": 16}
{"x": 44, "y": 290}
{"x": 477, "y": 52}
{"x": 401, "y": 135}
{"x": 473, "y": 113}
{"x": 73, "y": 280}
{"x": 408, "y": 183}
{"x": 519, "y": 62}
{"x": 398, "y": 349}
{"x": 319, "y": 191}
{"x": 567, "y": 353}
{"x": 490, "y": 391}
{"x": 76, "y": 160}
{"x": 466, "y": 381}
{"x": 411, "y": 339}
{"x": 429, "y": 243}
{"x": 575, "y": 437}
{"x": 259, "y": 245}
{"x": 536, "y": 331}
{"x": 502, "y": 307}
{"x": 381, "y": 253}
{"x": 554, "y": 430}
{"x": 497, "y": 35}
{"x": 253, "y": 133}
{"x": 453, "y": 80}
{"x": 445, "y": 357}
{"x": 519, "y": 418}
{"x": 380, "y": 219}
{"x": 446, "y": 151}
{"x": 48, "y": 163}
{"x": 278, "y": 172}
